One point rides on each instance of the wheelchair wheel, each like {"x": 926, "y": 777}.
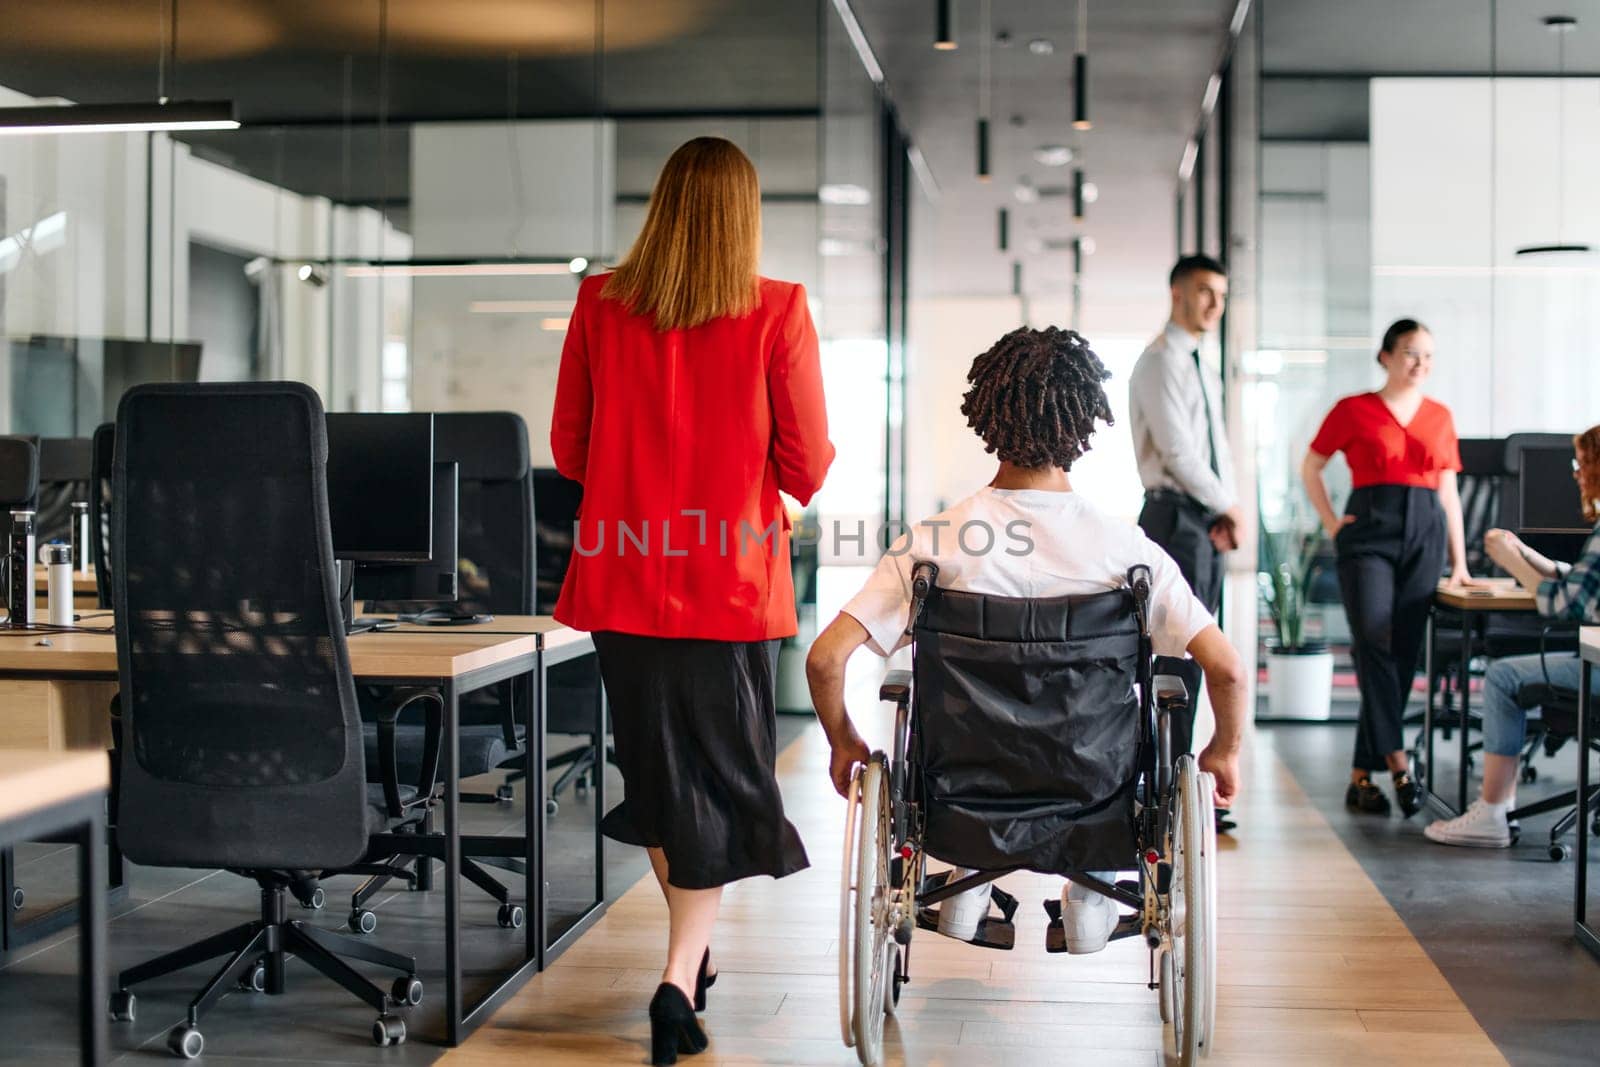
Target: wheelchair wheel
{"x": 1191, "y": 915}
{"x": 864, "y": 921}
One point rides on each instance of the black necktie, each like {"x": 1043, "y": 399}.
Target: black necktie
{"x": 1211, "y": 435}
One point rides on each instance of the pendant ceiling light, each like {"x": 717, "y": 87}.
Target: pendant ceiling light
{"x": 983, "y": 95}
{"x": 1560, "y": 25}
{"x": 1080, "y": 72}
{"x": 1005, "y": 230}
{"x": 944, "y": 25}
{"x": 161, "y": 114}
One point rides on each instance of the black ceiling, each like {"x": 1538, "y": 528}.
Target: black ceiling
{"x": 311, "y": 69}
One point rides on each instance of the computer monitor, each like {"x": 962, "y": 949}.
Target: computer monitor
{"x": 1549, "y": 499}
{"x": 390, "y": 587}
{"x": 380, "y": 487}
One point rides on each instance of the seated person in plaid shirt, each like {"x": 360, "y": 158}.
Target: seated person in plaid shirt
{"x": 1564, "y": 591}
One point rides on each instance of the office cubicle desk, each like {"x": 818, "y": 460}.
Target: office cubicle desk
{"x": 73, "y": 674}
{"x": 49, "y": 793}
{"x": 1475, "y": 607}
{"x": 1589, "y": 654}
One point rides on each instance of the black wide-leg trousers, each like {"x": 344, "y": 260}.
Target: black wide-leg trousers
{"x": 1181, "y": 525}
{"x": 1390, "y": 561}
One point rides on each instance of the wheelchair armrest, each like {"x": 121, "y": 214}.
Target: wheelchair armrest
{"x": 1171, "y": 693}
{"x": 387, "y": 714}
{"x": 896, "y": 687}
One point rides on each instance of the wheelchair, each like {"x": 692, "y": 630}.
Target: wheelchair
{"x": 1030, "y": 735}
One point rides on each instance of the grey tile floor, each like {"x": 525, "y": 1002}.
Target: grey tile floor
{"x": 1497, "y": 923}
{"x": 314, "y": 1022}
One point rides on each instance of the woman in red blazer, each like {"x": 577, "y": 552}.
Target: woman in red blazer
{"x": 690, "y": 395}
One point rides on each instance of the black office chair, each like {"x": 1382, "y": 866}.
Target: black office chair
{"x": 1558, "y": 724}
{"x": 496, "y": 576}
{"x": 573, "y": 691}
{"x": 238, "y": 709}
{"x": 104, "y": 447}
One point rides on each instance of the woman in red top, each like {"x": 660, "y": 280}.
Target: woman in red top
{"x": 1403, "y": 512}
{"x": 690, "y": 394}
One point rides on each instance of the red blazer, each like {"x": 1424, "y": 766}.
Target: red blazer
{"x": 682, "y": 440}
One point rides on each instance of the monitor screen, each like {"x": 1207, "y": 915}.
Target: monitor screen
{"x": 1548, "y": 493}
{"x": 395, "y": 587}
{"x": 380, "y": 487}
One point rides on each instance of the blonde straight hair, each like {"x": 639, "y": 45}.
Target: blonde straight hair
{"x": 695, "y": 260}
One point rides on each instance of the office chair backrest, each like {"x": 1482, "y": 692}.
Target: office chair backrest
{"x": 555, "y": 503}
{"x": 242, "y": 745}
{"x": 1481, "y": 482}
{"x": 495, "y": 517}
{"x": 1027, "y": 726}
{"x": 19, "y": 473}
{"x": 105, "y": 446}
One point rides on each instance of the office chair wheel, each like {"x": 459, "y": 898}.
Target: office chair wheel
{"x": 580, "y": 788}
{"x": 406, "y": 991}
{"x": 362, "y": 921}
{"x": 17, "y": 897}
{"x": 255, "y": 979}
{"x": 316, "y": 900}
{"x": 124, "y": 1006}
{"x": 551, "y": 806}
{"x": 388, "y": 1030}
{"x": 1559, "y": 852}
{"x": 505, "y": 792}
{"x": 1530, "y": 774}
{"x": 509, "y": 916}
{"x": 185, "y": 1041}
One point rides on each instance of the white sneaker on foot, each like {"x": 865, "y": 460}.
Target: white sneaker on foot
{"x": 1088, "y": 918}
{"x": 959, "y": 915}
{"x": 1480, "y": 826}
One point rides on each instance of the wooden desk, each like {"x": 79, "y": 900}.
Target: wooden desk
{"x": 456, "y": 660}
{"x": 49, "y": 793}
{"x": 1504, "y": 596}
{"x": 1589, "y": 655}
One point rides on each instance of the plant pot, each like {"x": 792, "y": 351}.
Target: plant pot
{"x": 1299, "y": 683}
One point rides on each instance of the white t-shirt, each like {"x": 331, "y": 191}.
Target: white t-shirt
{"x": 1027, "y": 543}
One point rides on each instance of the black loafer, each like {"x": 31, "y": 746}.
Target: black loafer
{"x": 1408, "y": 793}
{"x": 1366, "y": 798}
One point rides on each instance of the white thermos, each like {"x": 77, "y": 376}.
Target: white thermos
{"x": 58, "y": 566}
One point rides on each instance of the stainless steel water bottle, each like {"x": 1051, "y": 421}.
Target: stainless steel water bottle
{"x": 58, "y": 584}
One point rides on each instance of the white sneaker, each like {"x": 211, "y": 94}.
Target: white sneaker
{"x": 1480, "y": 826}
{"x": 959, "y": 916}
{"x": 1088, "y": 917}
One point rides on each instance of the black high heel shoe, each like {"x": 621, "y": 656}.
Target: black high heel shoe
{"x": 673, "y": 1027}
{"x": 703, "y": 982}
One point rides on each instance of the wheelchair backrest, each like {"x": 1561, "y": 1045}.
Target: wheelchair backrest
{"x": 1020, "y": 702}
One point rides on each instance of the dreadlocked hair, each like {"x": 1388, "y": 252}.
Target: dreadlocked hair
{"x": 1035, "y": 397}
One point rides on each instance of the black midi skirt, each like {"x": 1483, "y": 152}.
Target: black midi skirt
{"x": 695, "y": 724}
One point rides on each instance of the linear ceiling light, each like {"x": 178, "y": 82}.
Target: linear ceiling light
{"x": 944, "y": 30}
{"x": 460, "y": 269}
{"x": 119, "y": 118}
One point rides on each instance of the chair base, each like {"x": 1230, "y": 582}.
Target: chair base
{"x": 257, "y": 952}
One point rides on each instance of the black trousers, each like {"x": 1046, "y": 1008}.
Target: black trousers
{"x": 1181, "y": 525}
{"x": 1390, "y": 561}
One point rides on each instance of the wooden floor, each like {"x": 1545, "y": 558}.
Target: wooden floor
{"x": 1314, "y": 967}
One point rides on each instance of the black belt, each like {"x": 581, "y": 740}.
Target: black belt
{"x": 1174, "y": 496}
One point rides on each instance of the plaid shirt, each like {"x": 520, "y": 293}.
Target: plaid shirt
{"x": 1575, "y": 595}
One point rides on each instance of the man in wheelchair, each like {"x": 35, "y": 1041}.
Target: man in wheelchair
{"x": 1068, "y": 613}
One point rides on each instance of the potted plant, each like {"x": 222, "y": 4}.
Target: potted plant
{"x": 1299, "y": 669}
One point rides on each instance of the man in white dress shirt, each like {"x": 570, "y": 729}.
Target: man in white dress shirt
{"x": 1191, "y": 508}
